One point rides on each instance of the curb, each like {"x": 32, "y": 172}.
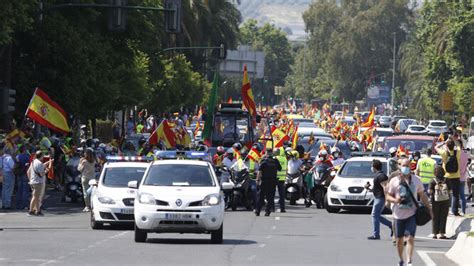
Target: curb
{"x": 456, "y": 225}
{"x": 462, "y": 250}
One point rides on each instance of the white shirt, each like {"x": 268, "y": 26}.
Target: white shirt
{"x": 228, "y": 163}
{"x": 37, "y": 177}
{"x": 294, "y": 166}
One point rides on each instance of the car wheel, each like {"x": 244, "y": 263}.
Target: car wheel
{"x": 329, "y": 208}
{"x": 292, "y": 201}
{"x": 217, "y": 236}
{"x": 140, "y": 235}
{"x": 94, "y": 224}
{"x": 235, "y": 202}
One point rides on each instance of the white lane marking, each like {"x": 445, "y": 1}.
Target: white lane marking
{"x": 277, "y": 218}
{"x": 268, "y": 237}
{"x": 252, "y": 257}
{"x": 118, "y": 235}
{"x": 36, "y": 260}
{"x": 426, "y": 258}
{"x": 262, "y": 245}
{"x": 48, "y": 262}
{"x": 91, "y": 246}
{"x": 2, "y": 259}
{"x": 274, "y": 227}
{"x": 61, "y": 258}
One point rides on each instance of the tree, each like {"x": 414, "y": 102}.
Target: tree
{"x": 278, "y": 58}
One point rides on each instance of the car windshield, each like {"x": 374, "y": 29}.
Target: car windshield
{"x": 357, "y": 169}
{"x": 410, "y": 144}
{"x": 120, "y": 176}
{"x": 438, "y": 124}
{"x": 417, "y": 128}
{"x": 314, "y": 149}
{"x": 385, "y": 118}
{"x": 179, "y": 175}
{"x": 302, "y": 120}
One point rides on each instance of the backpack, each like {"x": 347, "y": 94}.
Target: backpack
{"x": 441, "y": 192}
{"x": 452, "y": 163}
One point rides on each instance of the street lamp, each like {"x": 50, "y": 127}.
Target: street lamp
{"x": 393, "y": 71}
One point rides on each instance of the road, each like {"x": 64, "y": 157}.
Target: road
{"x": 301, "y": 236}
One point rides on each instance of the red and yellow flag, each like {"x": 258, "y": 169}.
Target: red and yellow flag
{"x": 370, "y": 119}
{"x": 254, "y": 155}
{"x": 163, "y": 132}
{"x": 441, "y": 137}
{"x": 47, "y": 112}
{"x": 294, "y": 138}
{"x": 279, "y": 137}
{"x": 247, "y": 95}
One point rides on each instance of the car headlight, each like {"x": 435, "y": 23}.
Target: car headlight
{"x": 106, "y": 200}
{"x": 335, "y": 188}
{"x": 146, "y": 198}
{"x": 210, "y": 200}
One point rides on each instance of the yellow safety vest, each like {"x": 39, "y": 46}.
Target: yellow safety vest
{"x": 252, "y": 169}
{"x": 427, "y": 168}
{"x": 281, "y": 175}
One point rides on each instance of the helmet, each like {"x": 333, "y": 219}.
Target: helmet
{"x": 323, "y": 153}
{"x": 230, "y": 151}
{"x": 288, "y": 149}
{"x": 335, "y": 150}
{"x": 201, "y": 148}
{"x": 220, "y": 150}
{"x": 258, "y": 146}
{"x": 392, "y": 150}
{"x": 237, "y": 146}
{"x": 294, "y": 154}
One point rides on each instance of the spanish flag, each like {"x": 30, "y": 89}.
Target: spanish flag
{"x": 370, "y": 119}
{"x": 279, "y": 137}
{"x": 46, "y": 112}
{"x": 254, "y": 155}
{"x": 163, "y": 132}
{"x": 247, "y": 95}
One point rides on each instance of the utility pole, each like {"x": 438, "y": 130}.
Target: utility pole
{"x": 393, "y": 71}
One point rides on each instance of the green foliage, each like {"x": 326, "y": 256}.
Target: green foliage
{"x": 278, "y": 57}
{"x": 347, "y": 44}
{"x": 15, "y": 15}
{"x": 180, "y": 86}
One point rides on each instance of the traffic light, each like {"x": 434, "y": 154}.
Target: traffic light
{"x": 173, "y": 18}
{"x": 8, "y": 103}
{"x": 117, "y": 16}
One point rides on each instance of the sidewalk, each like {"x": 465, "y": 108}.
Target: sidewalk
{"x": 462, "y": 229}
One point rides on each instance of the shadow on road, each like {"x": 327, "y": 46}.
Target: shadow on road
{"x": 181, "y": 241}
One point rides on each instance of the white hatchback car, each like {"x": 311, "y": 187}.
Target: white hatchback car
{"x": 111, "y": 199}
{"x": 347, "y": 188}
{"x": 179, "y": 196}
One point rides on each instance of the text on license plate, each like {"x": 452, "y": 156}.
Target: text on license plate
{"x": 355, "y": 197}
{"x": 178, "y": 216}
{"x": 126, "y": 211}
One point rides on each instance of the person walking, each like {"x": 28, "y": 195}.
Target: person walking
{"x": 439, "y": 191}
{"x": 87, "y": 169}
{"x": 22, "y": 187}
{"x": 37, "y": 175}
{"x": 425, "y": 169}
{"x": 451, "y": 157}
{"x": 380, "y": 181}
{"x": 400, "y": 191}
{"x": 7, "y": 164}
{"x": 281, "y": 176}
{"x": 267, "y": 177}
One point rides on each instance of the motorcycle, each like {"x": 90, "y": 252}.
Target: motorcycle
{"x": 73, "y": 188}
{"x": 241, "y": 191}
{"x": 294, "y": 187}
{"x": 322, "y": 177}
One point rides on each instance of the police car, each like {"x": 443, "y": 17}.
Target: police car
{"x": 179, "y": 196}
{"x": 112, "y": 200}
{"x": 347, "y": 191}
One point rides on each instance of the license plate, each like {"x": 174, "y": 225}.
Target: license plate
{"x": 355, "y": 197}
{"x": 178, "y": 216}
{"x": 126, "y": 211}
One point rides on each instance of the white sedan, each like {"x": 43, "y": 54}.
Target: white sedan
{"x": 179, "y": 196}
{"x": 111, "y": 199}
{"x": 347, "y": 188}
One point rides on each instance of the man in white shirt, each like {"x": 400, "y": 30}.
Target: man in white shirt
{"x": 294, "y": 164}
{"x": 37, "y": 175}
{"x": 7, "y": 163}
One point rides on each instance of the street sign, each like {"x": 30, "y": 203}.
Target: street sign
{"x": 278, "y": 90}
{"x": 447, "y": 102}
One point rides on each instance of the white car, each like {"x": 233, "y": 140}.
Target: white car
{"x": 347, "y": 188}
{"x": 111, "y": 199}
{"x": 417, "y": 129}
{"x": 179, "y": 196}
{"x": 437, "y": 126}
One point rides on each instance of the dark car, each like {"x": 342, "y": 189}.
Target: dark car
{"x": 343, "y": 146}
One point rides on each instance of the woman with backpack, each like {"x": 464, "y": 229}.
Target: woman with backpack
{"x": 451, "y": 156}
{"x": 439, "y": 191}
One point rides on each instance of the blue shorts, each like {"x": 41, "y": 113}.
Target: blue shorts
{"x": 405, "y": 227}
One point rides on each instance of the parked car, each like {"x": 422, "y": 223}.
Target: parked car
{"x": 385, "y": 121}
{"x": 437, "y": 126}
{"x": 403, "y": 124}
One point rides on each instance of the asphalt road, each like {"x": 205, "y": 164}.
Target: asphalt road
{"x": 301, "y": 236}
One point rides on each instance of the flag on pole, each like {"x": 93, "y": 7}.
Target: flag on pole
{"x": 47, "y": 112}
{"x": 279, "y": 137}
{"x": 211, "y": 104}
{"x": 294, "y": 139}
{"x": 165, "y": 133}
{"x": 254, "y": 155}
{"x": 370, "y": 119}
{"x": 247, "y": 95}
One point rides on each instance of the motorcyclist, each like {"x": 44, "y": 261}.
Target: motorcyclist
{"x": 218, "y": 158}
{"x": 324, "y": 159}
{"x": 229, "y": 158}
{"x": 337, "y": 156}
{"x": 253, "y": 169}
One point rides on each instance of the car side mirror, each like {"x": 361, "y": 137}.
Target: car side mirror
{"x": 227, "y": 186}
{"x": 133, "y": 184}
{"x": 92, "y": 182}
